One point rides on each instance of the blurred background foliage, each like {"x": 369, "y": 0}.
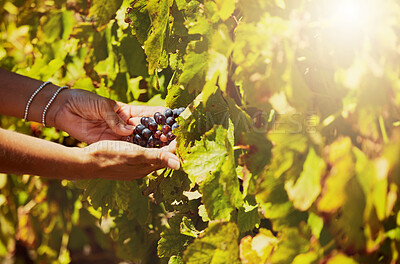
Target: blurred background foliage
{"x": 43, "y": 220}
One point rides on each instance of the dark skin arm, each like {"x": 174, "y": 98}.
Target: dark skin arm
{"x": 85, "y": 116}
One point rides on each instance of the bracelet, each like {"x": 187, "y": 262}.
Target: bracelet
{"x": 49, "y": 103}
{"x": 28, "y": 104}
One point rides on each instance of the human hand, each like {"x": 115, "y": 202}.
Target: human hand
{"x": 119, "y": 160}
{"x": 91, "y": 118}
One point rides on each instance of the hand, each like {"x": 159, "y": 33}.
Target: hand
{"x": 91, "y": 118}
{"x": 119, "y": 160}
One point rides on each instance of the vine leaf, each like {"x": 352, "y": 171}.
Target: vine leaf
{"x": 117, "y": 195}
{"x": 173, "y": 241}
{"x": 340, "y": 258}
{"x": 259, "y": 248}
{"x": 141, "y": 23}
{"x": 103, "y": 11}
{"x": 226, "y": 8}
{"x": 343, "y": 163}
{"x": 307, "y": 187}
{"x": 211, "y": 165}
{"x": 154, "y": 46}
{"x": 218, "y": 245}
{"x": 291, "y": 243}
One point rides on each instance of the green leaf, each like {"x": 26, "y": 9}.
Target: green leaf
{"x": 307, "y": 187}
{"x": 211, "y": 165}
{"x": 316, "y": 224}
{"x": 259, "y": 248}
{"x": 215, "y": 202}
{"x": 218, "y": 245}
{"x": 272, "y": 197}
{"x": 133, "y": 56}
{"x": 207, "y": 155}
{"x": 175, "y": 260}
{"x": 172, "y": 241}
{"x": 248, "y": 217}
{"x": 118, "y": 195}
{"x": 134, "y": 241}
{"x": 259, "y": 151}
{"x": 187, "y": 228}
{"x": 226, "y": 8}
{"x": 349, "y": 222}
{"x": 291, "y": 244}
{"x": 340, "y": 258}
{"x": 306, "y": 258}
{"x": 181, "y": 4}
{"x": 154, "y": 46}
{"x": 177, "y": 96}
{"x": 342, "y": 160}
{"x": 52, "y": 29}
{"x": 170, "y": 190}
{"x": 194, "y": 70}
{"x": 141, "y": 23}
{"x": 103, "y": 11}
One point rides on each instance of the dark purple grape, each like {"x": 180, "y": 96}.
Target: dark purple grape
{"x": 144, "y": 121}
{"x": 174, "y": 126}
{"x": 168, "y": 113}
{"x": 139, "y": 128}
{"x": 157, "y": 134}
{"x": 163, "y": 138}
{"x": 160, "y": 119}
{"x": 180, "y": 110}
{"x": 128, "y": 10}
{"x": 163, "y": 144}
{"x": 147, "y": 133}
{"x": 170, "y": 121}
{"x": 156, "y": 114}
{"x": 175, "y": 111}
{"x": 157, "y": 143}
{"x": 153, "y": 126}
{"x": 143, "y": 142}
{"x": 151, "y": 142}
{"x": 170, "y": 136}
{"x": 137, "y": 139}
{"x": 165, "y": 129}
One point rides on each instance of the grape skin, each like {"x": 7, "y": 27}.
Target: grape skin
{"x": 157, "y": 132}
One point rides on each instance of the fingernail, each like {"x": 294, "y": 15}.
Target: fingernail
{"x": 173, "y": 164}
{"x": 129, "y": 127}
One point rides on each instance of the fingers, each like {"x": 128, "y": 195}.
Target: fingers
{"x": 171, "y": 147}
{"x": 114, "y": 121}
{"x": 161, "y": 158}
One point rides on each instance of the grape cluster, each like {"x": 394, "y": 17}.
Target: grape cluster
{"x": 156, "y": 132}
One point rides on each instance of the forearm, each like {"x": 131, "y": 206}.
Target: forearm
{"x": 22, "y": 154}
{"x": 15, "y": 91}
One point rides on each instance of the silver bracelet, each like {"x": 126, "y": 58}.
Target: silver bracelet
{"x": 28, "y": 104}
{"x": 49, "y": 103}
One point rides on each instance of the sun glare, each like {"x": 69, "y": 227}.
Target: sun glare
{"x": 351, "y": 16}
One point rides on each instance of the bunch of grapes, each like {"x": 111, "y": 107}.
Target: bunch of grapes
{"x": 157, "y": 132}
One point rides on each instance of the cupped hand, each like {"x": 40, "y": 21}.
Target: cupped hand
{"x": 119, "y": 160}
{"x": 91, "y": 118}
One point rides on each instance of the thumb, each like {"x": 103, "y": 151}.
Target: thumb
{"x": 114, "y": 121}
{"x": 162, "y": 158}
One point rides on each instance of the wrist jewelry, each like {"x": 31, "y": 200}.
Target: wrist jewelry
{"x": 28, "y": 104}
{"x": 49, "y": 103}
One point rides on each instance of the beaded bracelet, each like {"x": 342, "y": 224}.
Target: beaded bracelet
{"x": 28, "y": 104}
{"x": 49, "y": 103}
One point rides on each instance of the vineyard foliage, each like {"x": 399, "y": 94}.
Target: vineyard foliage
{"x": 289, "y": 143}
